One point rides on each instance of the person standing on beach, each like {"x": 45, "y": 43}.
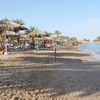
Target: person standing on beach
{"x": 37, "y": 45}
{"x": 5, "y": 45}
{"x": 26, "y": 45}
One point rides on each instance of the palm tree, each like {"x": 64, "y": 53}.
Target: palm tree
{"x": 58, "y": 33}
{"x": 31, "y": 29}
{"x": 74, "y": 41}
{"x": 48, "y": 33}
{"x": 64, "y": 39}
{"x": 19, "y": 21}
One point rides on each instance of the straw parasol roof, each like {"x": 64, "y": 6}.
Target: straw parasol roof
{"x": 24, "y": 37}
{"x": 49, "y": 38}
{"x": 6, "y": 24}
{"x": 11, "y": 33}
{"x": 37, "y": 33}
{"x": 33, "y": 33}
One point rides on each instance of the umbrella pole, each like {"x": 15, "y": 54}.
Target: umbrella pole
{"x": 55, "y": 55}
{"x": 5, "y": 45}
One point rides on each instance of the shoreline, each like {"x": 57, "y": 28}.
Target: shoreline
{"x": 93, "y": 53}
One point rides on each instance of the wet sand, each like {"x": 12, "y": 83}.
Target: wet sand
{"x": 31, "y": 75}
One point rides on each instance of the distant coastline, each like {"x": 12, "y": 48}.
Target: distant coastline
{"x": 88, "y": 42}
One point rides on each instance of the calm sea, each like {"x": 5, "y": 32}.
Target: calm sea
{"x": 94, "y": 48}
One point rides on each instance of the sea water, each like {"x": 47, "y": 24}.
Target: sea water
{"x": 94, "y": 49}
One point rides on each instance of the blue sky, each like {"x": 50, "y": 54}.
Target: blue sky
{"x": 80, "y": 18}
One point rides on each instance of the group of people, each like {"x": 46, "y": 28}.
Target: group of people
{"x": 47, "y": 43}
{"x": 24, "y": 45}
{"x": 43, "y": 44}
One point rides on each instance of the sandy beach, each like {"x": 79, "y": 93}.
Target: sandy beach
{"x": 32, "y": 75}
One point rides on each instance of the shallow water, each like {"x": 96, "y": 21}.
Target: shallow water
{"x": 94, "y": 49}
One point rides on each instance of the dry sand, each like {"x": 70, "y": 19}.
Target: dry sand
{"x": 32, "y": 75}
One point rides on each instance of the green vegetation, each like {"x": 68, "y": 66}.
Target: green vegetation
{"x": 74, "y": 41}
{"x": 97, "y": 39}
{"x": 19, "y": 21}
{"x": 30, "y": 29}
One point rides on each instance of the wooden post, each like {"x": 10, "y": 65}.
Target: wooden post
{"x": 55, "y": 55}
{"x": 18, "y": 40}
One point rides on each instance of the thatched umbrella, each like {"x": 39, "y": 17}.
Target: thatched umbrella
{"x": 37, "y": 33}
{"x": 24, "y": 37}
{"x": 8, "y": 25}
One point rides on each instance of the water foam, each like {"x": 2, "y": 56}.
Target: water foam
{"x": 95, "y": 55}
